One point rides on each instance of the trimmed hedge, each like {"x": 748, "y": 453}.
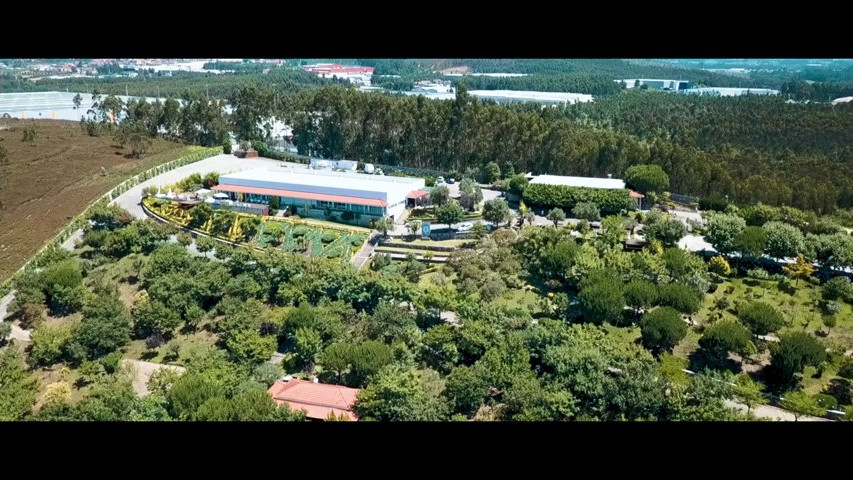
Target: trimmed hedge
{"x": 609, "y": 201}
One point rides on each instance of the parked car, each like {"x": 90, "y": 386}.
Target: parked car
{"x": 464, "y": 227}
{"x": 439, "y": 180}
{"x": 451, "y": 181}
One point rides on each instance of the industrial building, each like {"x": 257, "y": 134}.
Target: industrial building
{"x": 510, "y": 96}
{"x": 730, "y": 92}
{"x": 354, "y": 74}
{"x": 352, "y": 197}
{"x": 657, "y": 84}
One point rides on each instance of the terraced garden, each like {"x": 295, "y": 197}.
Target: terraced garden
{"x": 314, "y": 240}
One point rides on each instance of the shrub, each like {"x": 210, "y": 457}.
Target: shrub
{"x": 641, "y": 294}
{"x": 48, "y": 344}
{"x": 761, "y": 318}
{"x": 662, "y": 328}
{"x": 794, "y": 352}
{"x": 826, "y": 402}
{"x": 720, "y": 266}
{"x": 679, "y": 297}
{"x": 838, "y": 288}
{"x": 758, "y": 274}
{"x": 726, "y": 336}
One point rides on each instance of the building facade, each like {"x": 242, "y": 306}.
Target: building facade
{"x": 338, "y": 196}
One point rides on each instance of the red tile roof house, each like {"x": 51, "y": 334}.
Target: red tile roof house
{"x": 317, "y": 399}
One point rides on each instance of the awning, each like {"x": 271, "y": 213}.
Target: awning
{"x": 634, "y": 194}
{"x": 415, "y": 194}
{"x": 372, "y": 202}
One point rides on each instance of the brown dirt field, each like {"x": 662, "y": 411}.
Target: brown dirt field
{"x": 46, "y": 184}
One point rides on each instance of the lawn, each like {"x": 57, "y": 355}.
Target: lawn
{"x": 136, "y": 350}
{"x": 48, "y": 182}
{"x": 524, "y": 299}
{"x": 800, "y": 307}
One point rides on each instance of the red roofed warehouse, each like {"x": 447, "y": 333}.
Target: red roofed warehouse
{"x": 354, "y": 74}
{"x": 319, "y": 400}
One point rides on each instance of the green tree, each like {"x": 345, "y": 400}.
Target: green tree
{"x": 48, "y": 344}
{"x": 470, "y": 193}
{"x": 250, "y": 347}
{"x": 400, "y": 394}
{"x": 383, "y": 225}
{"x": 529, "y": 400}
{"x": 640, "y": 294}
{"x": 667, "y": 231}
{"x": 587, "y": 211}
{"x": 748, "y": 392}
{"x": 800, "y": 403}
{"x": 662, "y": 328}
{"x": 18, "y": 388}
{"x": 783, "y": 240}
{"x": 190, "y": 392}
{"x": 466, "y": 389}
{"x": 751, "y": 241}
{"x": 601, "y": 302}
{"x": 556, "y": 215}
{"x": 837, "y": 288}
{"x": 793, "y": 353}
{"x": 152, "y": 317}
{"x": 135, "y": 135}
{"x": 726, "y": 336}
{"x": 679, "y": 297}
{"x": 439, "y": 195}
{"x": 450, "y": 213}
{"x": 517, "y": 184}
{"x": 491, "y": 172}
{"x": 105, "y": 326}
{"x": 723, "y": 231}
{"x": 612, "y": 231}
{"x": 308, "y": 345}
{"x": 801, "y": 269}
{"x": 647, "y": 178}
{"x": 496, "y": 211}
{"x": 761, "y": 318}
{"x": 77, "y": 100}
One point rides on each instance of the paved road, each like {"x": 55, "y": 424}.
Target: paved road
{"x": 130, "y": 199}
{"x": 363, "y": 256}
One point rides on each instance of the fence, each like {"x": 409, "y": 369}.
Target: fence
{"x": 197, "y": 153}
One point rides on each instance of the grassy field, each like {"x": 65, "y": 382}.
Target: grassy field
{"x": 46, "y": 183}
{"x": 800, "y": 307}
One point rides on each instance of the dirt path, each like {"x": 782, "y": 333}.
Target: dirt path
{"x": 142, "y": 372}
{"x": 773, "y": 413}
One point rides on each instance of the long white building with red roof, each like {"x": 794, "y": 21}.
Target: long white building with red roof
{"x": 352, "y": 197}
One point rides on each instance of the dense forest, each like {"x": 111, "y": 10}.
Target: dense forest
{"x": 751, "y": 149}
{"x": 178, "y": 85}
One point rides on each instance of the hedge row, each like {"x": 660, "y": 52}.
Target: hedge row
{"x": 609, "y": 201}
{"x": 196, "y": 154}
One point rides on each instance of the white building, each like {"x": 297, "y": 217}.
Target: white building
{"x": 323, "y": 193}
{"x": 729, "y": 91}
{"x": 509, "y": 96}
{"x": 587, "y": 182}
{"x": 656, "y": 84}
